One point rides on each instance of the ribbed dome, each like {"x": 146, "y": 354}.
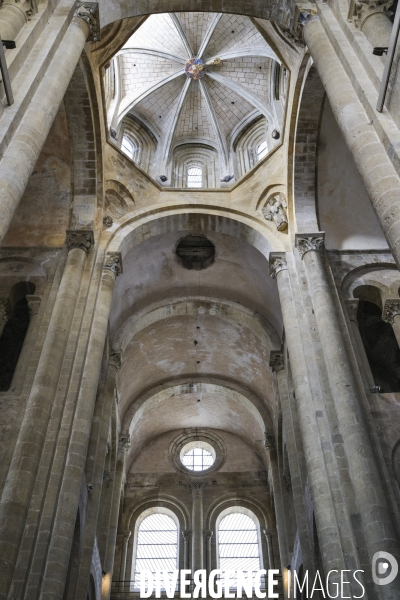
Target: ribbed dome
{"x": 195, "y": 78}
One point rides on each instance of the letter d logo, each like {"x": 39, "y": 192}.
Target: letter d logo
{"x": 384, "y": 568}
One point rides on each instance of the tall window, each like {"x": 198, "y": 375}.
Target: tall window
{"x": 262, "y": 150}
{"x": 195, "y": 177}
{"x": 157, "y": 545}
{"x": 128, "y": 147}
{"x": 238, "y": 544}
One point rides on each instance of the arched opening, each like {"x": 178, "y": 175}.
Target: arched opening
{"x": 14, "y": 332}
{"x": 194, "y": 176}
{"x": 155, "y": 544}
{"x": 381, "y": 347}
{"x": 239, "y": 544}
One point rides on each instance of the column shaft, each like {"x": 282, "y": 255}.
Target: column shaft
{"x": 97, "y": 480}
{"x": 324, "y": 508}
{"x": 122, "y": 570}
{"x": 186, "y": 535}
{"x": 62, "y": 533}
{"x": 197, "y": 489}
{"x": 20, "y": 157}
{"x": 375, "y": 513}
{"x": 376, "y": 170}
{"x": 377, "y": 28}
{"x": 279, "y": 509}
{"x": 270, "y": 549}
{"x": 295, "y": 470}
{"x": 113, "y": 530}
{"x": 28, "y": 449}
{"x": 12, "y": 19}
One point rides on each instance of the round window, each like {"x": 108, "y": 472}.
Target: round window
{"x": 197, "y": 456}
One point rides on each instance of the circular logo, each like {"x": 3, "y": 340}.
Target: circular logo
{"x": 195, "y": 68}
{"x": 384, "y": 568}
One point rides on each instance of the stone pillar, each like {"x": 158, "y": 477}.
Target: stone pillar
{"x": 5, "y": 314}
{"x": 378, "y": 526}
{"x": 325, "y": 514}
{"x": 62, "y": 533}
{"x": 208, "y": 534}
{"x": 278, "y": 502}
{"x": 294, "y": 456}
{"x": 270, "y": 549}
{"x": 373, "y": 19}
{"x": 22, "y": 474}
{"x": 369, "y": 154}
{"x": 97, "y": 478}
{"x": 13, "y": 17}
{"x": 391, "y": 314}
{"x": 22, "y": 153}
{"x": 186, "y": 535}
{"x": 122, "y": 571}
{"x": 197, "y": 489}
{"x": 108, "y": 566}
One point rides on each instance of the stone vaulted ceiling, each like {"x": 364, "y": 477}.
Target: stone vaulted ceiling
{"x": 196, "y": 77}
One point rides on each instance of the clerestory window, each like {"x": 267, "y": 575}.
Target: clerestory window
{"x": 239, "y": 546}
{"x": 156, "y": 546}
{"x": 262, "y": 150}
{"x": 195, "y": 177}
{"x": 128, "y": 147}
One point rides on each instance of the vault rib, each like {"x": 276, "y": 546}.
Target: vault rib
{"x": 172, "y": 129}
{"x": 128, "y": 105}
{"x": 208, "y": 34}
{"x": 244, "y": 93}
{"x": 179, "y": 28}
{"x": 214, "y": 119}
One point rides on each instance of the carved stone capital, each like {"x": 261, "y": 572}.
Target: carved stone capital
{"x": 307, "y": 16}
{"x": 186, "y": 533}
{"x": 89, "y": 12}
{"x": 33, "y": 305}
{"x": 107, "y": 221}
{"x": 197, "y": 487}
{"x": 309, "y": 242}
{"x": 208, "y": 533}
{"x": 115, "y": 360}
{"x": 5, "y": 311}
{"x": 127, "y": 535}
{"x": 269, "y": 441}
{"x": 113, "y": 263}
{"x": 82, "y": 239}
{"x": 276, "y": 361}
{"x": 365, "y": 8}
{"x": 124, "y": 441}
{"x": 268, "y": 534}
{"x": 277, "y": 263}
{"x": 390, "y": 310}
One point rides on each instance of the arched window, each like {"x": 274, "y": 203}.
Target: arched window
{"x": 239, "y": 544}
{"x": 195, "y": 177}
{"x": 262, "y": 150}
{"x": 156, "y": 545}
{"x": 128, "y": 147}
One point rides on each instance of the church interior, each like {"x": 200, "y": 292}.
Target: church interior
{"x": 199, "y": 297}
